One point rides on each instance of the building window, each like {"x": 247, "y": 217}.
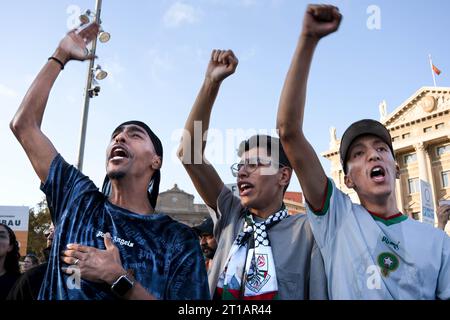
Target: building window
{"x": 413, "y": 185}
{"x": 410, "y": 158}
{"x": 442, "y": 150}
{"x": 427, "y": 129}
{"x": 439, "y": 126}
{"x": 406, "y": 135}
{"x": 445, "y": 179}
{"x": 395, "y": 138}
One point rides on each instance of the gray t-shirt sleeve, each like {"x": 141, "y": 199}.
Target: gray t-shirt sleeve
{"x": 326, "y": 223}
{"x": 229, "y": 210}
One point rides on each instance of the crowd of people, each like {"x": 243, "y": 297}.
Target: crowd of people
{"x": 111, "y": 244}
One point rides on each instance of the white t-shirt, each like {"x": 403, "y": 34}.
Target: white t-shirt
{"x": 368, "y": 257}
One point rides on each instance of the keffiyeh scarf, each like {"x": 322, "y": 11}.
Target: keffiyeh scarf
{"x": 249, "y": 273}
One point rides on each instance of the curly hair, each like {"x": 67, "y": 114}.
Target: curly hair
{"x": 12, "y": 258}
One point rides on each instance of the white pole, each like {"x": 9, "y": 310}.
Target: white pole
{"x": 432, "y": 71}
{"x": 90, "y": 77}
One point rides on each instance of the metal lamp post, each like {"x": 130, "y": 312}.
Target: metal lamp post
{"x": 88, "y": 92}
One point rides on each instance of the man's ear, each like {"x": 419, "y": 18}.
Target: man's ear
{"x": 349, "y": 182}
{"x": 285, "y": 177}
{"x": 397, "y": 171}
{"x": 156, "y": 162}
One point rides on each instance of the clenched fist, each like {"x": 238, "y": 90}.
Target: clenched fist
{"x": 223, "y": 63}
{"x": 320, "y": 21}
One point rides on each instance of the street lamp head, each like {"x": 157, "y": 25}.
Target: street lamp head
{"x": 85, "y": 17}
{"x": 104, "y": 36}
{"x": 99, "y": 73}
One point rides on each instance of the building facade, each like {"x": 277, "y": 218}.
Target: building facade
{"x": 180, "y": 206}
{"x": 420, "y": 130}
{"x": 294, "y": 202}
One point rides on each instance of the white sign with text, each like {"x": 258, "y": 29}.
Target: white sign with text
{"x": 15, "y": 217}
{"x": 427, "y": 203}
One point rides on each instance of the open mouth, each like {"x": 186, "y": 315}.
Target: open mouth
{"x": 206, "y": 249}
{"x": 377, "y": 173}
{"x": 244, "y": 188}
{"x": 118, "y": 153}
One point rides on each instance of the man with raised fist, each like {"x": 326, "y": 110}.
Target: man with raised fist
{"x": 113, "y": 246}
{"x": 371, "y": 250}
{"x": 263, "y": 253}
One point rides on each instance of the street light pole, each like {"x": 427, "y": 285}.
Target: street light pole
{"x": 87, "y": 96}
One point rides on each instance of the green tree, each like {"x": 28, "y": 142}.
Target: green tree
{"x": 39, "y": 222}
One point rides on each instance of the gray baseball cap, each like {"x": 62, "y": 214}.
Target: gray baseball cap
{"x": 362, "y": 128}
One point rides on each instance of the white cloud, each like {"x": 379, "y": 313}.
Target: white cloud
{"x": 7, "y": 92}
{"x": 180, "y": 13}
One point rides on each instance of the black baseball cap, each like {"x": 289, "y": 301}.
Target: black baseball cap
{"x": 362, "y": 128}
{"x": 206, "y": 227}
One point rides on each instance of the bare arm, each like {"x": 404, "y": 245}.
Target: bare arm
{"x": 26, "y": 124}
{"x": 192, "y": 147}
{"x": 319, "y": 21}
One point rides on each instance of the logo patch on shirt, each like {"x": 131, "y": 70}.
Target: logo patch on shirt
{"x": 388, "y": 241}
{"x": 117, "y": 240}
{"x": 388, "y": 262}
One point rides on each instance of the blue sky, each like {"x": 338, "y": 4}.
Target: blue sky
{"x": 158, "y": 55}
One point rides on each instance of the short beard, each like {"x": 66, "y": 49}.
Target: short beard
{"x": 116, "y": 175}
{"x": 209, "y": 254}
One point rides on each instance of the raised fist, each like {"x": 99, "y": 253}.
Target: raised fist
{"x": 223, "y": 63}
{"x": 320, "y": 21}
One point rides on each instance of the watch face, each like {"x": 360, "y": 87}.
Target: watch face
{"x": 122, "y": 286}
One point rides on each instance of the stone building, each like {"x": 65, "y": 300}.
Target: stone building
{"x": 180, "y": 206}
{"x": 420, "y": 130}
{"x": 294, "y": 202}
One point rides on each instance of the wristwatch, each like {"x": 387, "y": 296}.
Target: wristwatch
{"x": 122, "y": 285}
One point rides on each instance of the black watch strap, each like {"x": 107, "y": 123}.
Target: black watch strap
{"x": 122, "y": 285}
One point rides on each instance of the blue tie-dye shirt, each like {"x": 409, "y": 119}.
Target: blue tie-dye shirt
{"x": 164, "y": 255}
